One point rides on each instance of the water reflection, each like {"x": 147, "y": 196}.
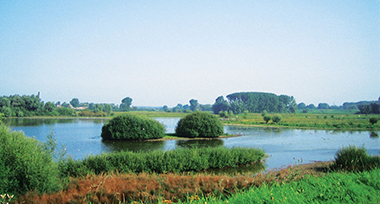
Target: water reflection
{"x": 199, "y": 143}
{"x": 373, "y": 135}
{"x": 29, "y": 122}
{"x": 114, "y": 145}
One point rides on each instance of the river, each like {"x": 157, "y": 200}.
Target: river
{"x": 285, "y": 146}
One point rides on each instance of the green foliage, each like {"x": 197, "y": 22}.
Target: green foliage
{"x": 361, "y": 187}
{"x": 277, "y": 118}
{"x": 266, "y": 118}
{"x": 373, "y": 120}
{"x": 126, "y": 104}
{"x": 158, "y": 161}
{"x": 132, "y": 127}
{"x": 355, "y": 159}
{"x": 199, "y": 124}
{"x": 26, "y": 164}
{"x": 264, "y": 113}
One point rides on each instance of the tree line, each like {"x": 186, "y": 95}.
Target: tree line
{"x": 255, "y": 102}
{"x": 241, "y": 102}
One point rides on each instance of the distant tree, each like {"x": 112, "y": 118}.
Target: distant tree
{"x": 323, "y": 106}
{"x": 178, "y": 108}
{"x": 264, "y": 113}
{"x": 365, "y": 109}
{"x": 301, "y": 106}
{"x": 220, "y": 105}
{"x": 126, "y": 104}
{"x": 276, "y": 118}
{"x": 373, "y": 120}
{"x": 165, "y": 108}
{"x": 49, "y": 107}
{"x": 205, "y": 107}
{"x": 194, "y": 105}
{"x": 311, "y": 106}
{"x": 66, "y": 105}
{"x": 107, "y": 108}
{"x": 75, "y": 102}
{"x": 266, "y": 118}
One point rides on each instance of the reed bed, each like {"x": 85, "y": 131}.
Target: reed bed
{"x": 178, "y": 160}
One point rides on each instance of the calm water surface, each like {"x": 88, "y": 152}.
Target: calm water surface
{"x": 284, "y": 146}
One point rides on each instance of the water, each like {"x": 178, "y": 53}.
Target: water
{"x": 284, "y": 146}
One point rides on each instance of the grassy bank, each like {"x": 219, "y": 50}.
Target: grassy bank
{"x": 363, "y": 187}
{"x": 308, "y": 120}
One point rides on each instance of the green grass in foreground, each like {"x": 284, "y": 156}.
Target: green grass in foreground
{"x": 363, "y": 187}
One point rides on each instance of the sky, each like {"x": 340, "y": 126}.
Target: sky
{"x": 168, "y": 52}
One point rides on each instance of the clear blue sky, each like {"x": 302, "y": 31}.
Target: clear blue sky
{"x": 168, "y": 52}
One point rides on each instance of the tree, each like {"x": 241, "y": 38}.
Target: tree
{"x": 193, "y": 104}
{"x": 220, "y": 105}
{"x": 301, "y": 106}
{"x": 126, "y": 104}
{"x": 49, "y": 107}
{"x": 165, "y": 108}
{"x": 75, "y": 102}
{"x": 311, "y": 106}
{"x": 266, "y": 118}
{"x": 323, "y": 106}
{"x": 276, "y": 118}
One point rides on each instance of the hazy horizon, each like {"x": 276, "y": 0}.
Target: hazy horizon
{"x": 165, "y": 53}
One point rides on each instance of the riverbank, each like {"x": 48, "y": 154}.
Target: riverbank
{"x": 206, "y": 188}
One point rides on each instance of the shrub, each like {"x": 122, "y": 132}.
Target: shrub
{"x": 373, "y": 120}
{"x": 132, "y": 127}
{"x": 199, "y": 124}
{"x": 353, "y": 158}
{"x": 266, "y": 118}
{"x": 25, "y": 164}
{"x": 264, "y": 113}
{"x": 159, "y": 161}
{"x": 276, "y": 118}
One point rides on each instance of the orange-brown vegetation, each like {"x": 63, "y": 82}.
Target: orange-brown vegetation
{"x": 117, "y": 188}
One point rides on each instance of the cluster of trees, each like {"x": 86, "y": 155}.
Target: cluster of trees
{"x": 362, "y": 107}
{"x": 21, "y": 106}
{"x": 255, "y": 102}
{"x": 26, "y": 106}
{"x": 194, "y": 106}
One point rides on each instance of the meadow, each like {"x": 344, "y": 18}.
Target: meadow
{"x": 308, "y": 120}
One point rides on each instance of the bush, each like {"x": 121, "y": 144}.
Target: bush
{"x": 276, "y": 118}
{"x": 25, "y": 164}
{"x": 355, "y": 159}
{"x": 266, "y": 118}
{"x": 373, "y": 120}
{"x": 199, "y": 124}
{"x": 132, "y": 127}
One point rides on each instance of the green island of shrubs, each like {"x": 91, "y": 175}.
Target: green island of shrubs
{"x": 132, "y": 127}
{"x": 199, "y": 124}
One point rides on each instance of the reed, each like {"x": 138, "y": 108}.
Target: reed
{"x": 158, "y": 161}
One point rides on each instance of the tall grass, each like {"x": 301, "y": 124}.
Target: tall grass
{"x": 178, "y": 160}
{"x": 353, "y": 158}
{"x": 363, "y": 187}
